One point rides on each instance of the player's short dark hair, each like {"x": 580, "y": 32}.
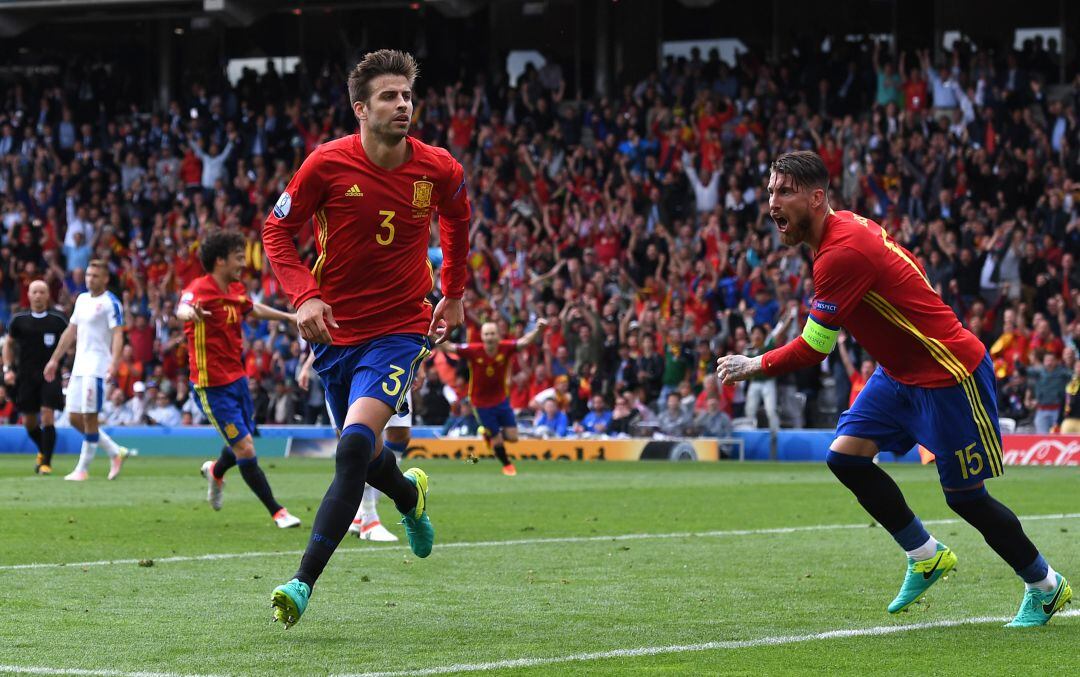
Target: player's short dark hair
{"x": 374, "y": 64}
{"x": 99, "y": 264}
{"x": 805, "y": 167}
{"x": 218, "y": 245}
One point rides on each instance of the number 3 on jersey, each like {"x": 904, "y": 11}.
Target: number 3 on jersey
{"x": 395, "y": 378}
{"x": 387, "y": 223}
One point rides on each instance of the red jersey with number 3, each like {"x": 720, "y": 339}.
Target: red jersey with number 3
{"x": 489, "y": 384}
{"x": 215, "y": 345}
{"x": 867, "y": 283}
{"x": 372, "y": 228}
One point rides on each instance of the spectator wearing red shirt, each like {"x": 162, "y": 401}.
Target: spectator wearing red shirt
{"x": 914, "y": 87}
{"x": 857, "y": 377}
{"x": 257, "y": 363}
{"x": 141, "y": 338}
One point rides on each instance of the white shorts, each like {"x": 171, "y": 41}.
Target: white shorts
{"x": 396, "y": 421}
{"x": 85, "y": 394}
{"x": 402, "y": 420}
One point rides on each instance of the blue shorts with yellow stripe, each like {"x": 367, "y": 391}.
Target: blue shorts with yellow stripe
{"x": 228, "y": 408}
{"x": 382, "y": 368}
{"x": 958, "y": 423}
{"x": 496, "y": 419}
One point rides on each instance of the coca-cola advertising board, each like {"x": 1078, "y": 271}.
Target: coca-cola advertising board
{"x": 1041, "y": 449}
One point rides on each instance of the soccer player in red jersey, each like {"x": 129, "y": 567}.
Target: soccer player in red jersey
{"x": 213, "y": 308}
{"x": 489, "y": 385}
{"x": 364, "y": 304}
{"x": 934, "y": 386}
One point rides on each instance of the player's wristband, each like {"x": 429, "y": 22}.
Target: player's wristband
{"x": 818, "y": 336}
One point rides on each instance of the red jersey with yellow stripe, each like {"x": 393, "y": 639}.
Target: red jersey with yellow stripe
{"x": 488, "y": 382}
{"x": 215, "y": 345}
{"x": 874, "y": 288}
{"x": 372, "y": 228}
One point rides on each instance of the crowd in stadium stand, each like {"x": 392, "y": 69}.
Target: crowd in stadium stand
{"x": 636, "y": 222}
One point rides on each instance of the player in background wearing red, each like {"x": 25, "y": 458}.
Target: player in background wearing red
{"x": 934, "y": 386}
{"x": 489, "y": 385}
{"x": 212, "y": 308}
{"x": 363, "y": 305}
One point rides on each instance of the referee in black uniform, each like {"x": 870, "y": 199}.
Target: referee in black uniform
{"x": 31, "y": 340}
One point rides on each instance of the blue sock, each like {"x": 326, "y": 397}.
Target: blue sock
{"x": 912, "y": 536}
{"x": 396, "y": 447}
{"x": 1034, "y": 572}
{"x": 92, "y": 438}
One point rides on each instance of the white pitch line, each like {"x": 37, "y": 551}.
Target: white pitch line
{"x": 687, "y": 648}
{"x": 494, "y": 544}
{"x": 31, "y": 670}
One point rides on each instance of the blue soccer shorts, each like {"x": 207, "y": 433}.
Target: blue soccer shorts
{"x": 228, "y": 408}
{"x": 496, "y": 418}
{"x": 959, "y": 424}
{"x": 382, "y": 368}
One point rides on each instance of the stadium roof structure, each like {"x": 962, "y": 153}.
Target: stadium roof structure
{"x": 17, "y": 16}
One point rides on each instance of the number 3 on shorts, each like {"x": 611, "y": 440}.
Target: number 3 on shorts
{"x": 395, "y": 378}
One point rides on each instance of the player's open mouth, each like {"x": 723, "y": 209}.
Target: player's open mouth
{"x": 781, "y": 223}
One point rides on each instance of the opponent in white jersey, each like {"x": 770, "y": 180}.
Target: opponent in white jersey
{"x": 96, "y": 329}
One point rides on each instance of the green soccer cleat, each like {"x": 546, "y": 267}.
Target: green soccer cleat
{"x": 921, "y": 575}
{"x": 417, "y": 523}
{"x": 289, "y": 602}
{"x": 1038, "y": 607}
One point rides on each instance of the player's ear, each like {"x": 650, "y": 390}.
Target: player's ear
{"x": 359, "y": 110}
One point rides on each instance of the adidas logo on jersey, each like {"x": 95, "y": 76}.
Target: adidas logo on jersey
{"x": 354, "y": 191}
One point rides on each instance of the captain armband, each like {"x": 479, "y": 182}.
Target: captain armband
{"x": 818, "y": 336}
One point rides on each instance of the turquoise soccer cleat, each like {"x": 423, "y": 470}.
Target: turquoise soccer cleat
{"x": 417, "y": 523}
{"x": 289, "y": 602}
{"x": 1038, "y": 607}
{"x": 921, "y": 575}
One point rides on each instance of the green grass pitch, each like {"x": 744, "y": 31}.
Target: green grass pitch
{"x": 557, "y": 589}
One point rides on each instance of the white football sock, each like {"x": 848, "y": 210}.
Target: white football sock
{"x": 924, "y": 551}
{"x": 368, "y": 513}
{"x": 1047, "y": 584}
{"x": 86, "y": 454}
{"x": 108, "y": 444}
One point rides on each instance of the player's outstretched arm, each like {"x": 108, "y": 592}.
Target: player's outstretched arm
{"x": 734, "y": 368}
{"x": 191, "y": 312}
{"x": 531, "y": 336}
{"x": 303, "y": 377}
{"x": 265, "y": 312}
{"x": 67, "y": 339}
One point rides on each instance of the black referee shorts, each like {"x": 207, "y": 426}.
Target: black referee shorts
{"x": 32, "y": 392}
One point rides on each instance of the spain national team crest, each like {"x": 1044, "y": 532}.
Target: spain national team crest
{"x": 421, "y": 194}
{"x": 231, "y": 431}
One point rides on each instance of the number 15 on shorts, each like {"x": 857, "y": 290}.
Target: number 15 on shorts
{"x": 971, "y": 462}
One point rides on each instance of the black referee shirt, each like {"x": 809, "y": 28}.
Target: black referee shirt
{"x": 36, "y": 336}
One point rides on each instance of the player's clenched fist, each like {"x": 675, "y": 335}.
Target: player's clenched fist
{"x": 732, "y": 368}
{"x": 448, "y": 314}
{"x": 313, "y": 319}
